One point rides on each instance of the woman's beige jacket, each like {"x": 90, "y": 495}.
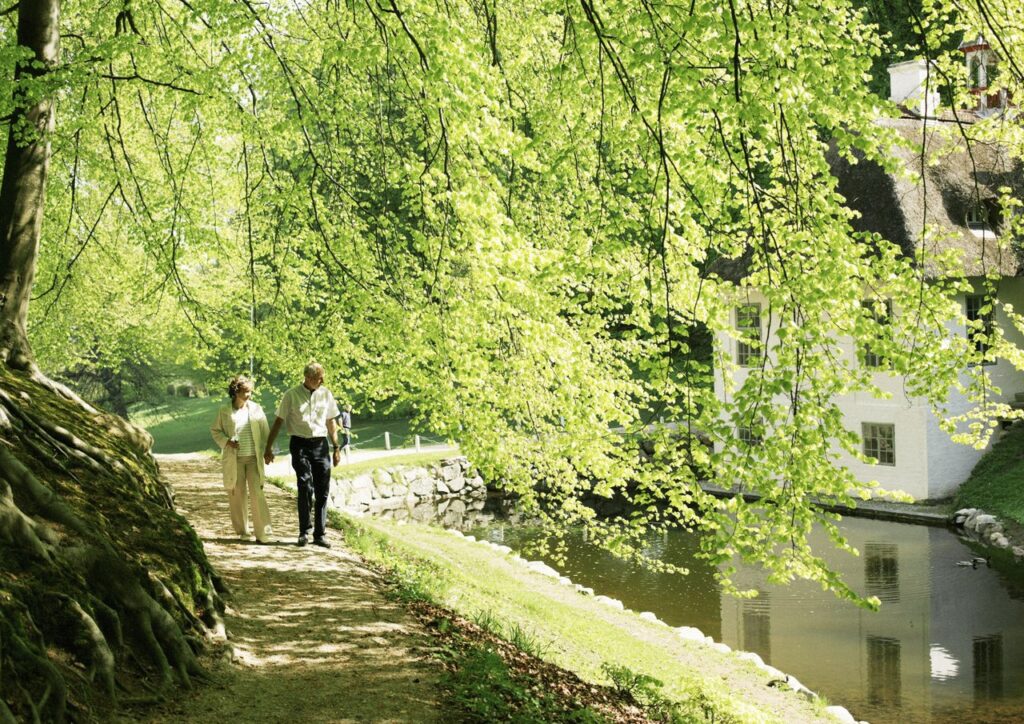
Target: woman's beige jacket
{"x": 223, "y": 429}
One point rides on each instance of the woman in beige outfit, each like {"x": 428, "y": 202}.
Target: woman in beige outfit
{"x": 241, "y": 431}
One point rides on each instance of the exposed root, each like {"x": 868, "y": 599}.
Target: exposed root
{"x": 212, "y": 608}
{"x": 51, "y": 703}
{"x": 139, "y": 437}
{"x": 160, "y": 635}
{"x": 97, "y": 656}
{"x": 18, "y": 529}
{"x": 163, "y": 594}
{"x": 58, "y": 438}
{"x": 121, "y": 581}
{"x": 109, "y": 622}
{"x": 48, "y": 504}
{"x": 62, "y": 390}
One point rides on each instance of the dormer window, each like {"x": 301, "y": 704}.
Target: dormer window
{"x": 978, "y": 219}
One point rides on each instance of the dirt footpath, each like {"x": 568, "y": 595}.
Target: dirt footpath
{"x": 315, "y": 639}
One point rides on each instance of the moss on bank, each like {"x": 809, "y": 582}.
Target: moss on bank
{"x": 570, "y": 630}
{"x": 995, "y": 484}
{"x": 106, "y": 594}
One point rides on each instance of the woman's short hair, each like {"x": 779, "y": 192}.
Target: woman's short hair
{"x": 237, "y": 384}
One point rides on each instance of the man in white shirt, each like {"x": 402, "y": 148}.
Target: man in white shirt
{"x": 309, "y": 411}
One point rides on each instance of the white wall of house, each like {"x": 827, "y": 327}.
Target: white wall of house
{"x": 909, "y": 419}
{"x": 928, "y": 464}
{"x": 949, "y": 463}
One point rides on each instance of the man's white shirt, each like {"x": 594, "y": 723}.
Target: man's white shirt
{"x": 306, "y": 413}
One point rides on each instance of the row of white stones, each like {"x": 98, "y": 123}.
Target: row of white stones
{"x": 687, "y": 633}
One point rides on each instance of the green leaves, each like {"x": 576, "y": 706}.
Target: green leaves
{"x": 527, "y": 221}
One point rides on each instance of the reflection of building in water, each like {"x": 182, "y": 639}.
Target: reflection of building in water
{"x": 884, "y": 674}
{"x": 988, "y": 667}
{"x": 946, "y": 636}
{"x": 757, "y": 626}
{"x": 882, "y": 571}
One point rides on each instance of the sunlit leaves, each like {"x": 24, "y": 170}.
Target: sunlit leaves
{"x": 513, "y": 218}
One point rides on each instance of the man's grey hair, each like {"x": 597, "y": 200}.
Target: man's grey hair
{"x": 313, "y": 369}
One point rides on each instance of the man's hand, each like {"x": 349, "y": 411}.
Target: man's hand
{"x": 268, "y": 456}
{"x": 232, "y": 443}
{"x": 337, "y": 457}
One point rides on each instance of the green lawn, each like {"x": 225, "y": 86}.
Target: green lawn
{"x": 996, "y": 484}
{"x": 182, "y": 424}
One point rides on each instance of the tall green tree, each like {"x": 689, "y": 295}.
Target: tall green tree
{"x": 509, "y": 215}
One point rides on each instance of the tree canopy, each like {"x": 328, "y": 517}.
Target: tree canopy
{"x": 507, "y": 214}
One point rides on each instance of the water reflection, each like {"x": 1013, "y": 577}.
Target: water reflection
{"x": 882, "y": 571}
{"x": 885, "y": 675}
{"x": 988, "y": 667}
{"x": 947, "y": 645}
{"x": 757, "y": 626}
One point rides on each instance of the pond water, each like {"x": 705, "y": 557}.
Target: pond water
{"x": 946, "y": 646}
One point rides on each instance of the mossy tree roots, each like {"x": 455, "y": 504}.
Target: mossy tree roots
{"x": 104, "y": 588}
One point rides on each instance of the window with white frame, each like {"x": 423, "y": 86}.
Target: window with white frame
{"x": 980, "y": 322}
{"x": 882, "y": 312}
{"x": 747, "y": 436}
{"x": 748, "y": 324}
{"x": 879, "y": 442}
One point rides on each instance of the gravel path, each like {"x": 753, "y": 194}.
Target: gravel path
{"x": 314, "y": 638}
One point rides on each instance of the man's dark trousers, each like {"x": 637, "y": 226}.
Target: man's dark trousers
{"x": 311, "y": 460}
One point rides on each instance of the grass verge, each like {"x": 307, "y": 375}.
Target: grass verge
{"x": 995, "y": 483}
{"x": 491, "y": 674}
{"x": 676, "y": 680}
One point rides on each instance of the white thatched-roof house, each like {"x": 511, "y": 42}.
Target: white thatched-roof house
{"x": 958, "y": 197}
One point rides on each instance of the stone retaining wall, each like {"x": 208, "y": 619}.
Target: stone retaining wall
{"x": 446, "y": 492}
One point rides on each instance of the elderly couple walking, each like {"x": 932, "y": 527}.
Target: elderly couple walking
{"x": 241, "y": 430}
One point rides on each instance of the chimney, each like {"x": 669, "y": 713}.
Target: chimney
{"x": 913, "y": 87}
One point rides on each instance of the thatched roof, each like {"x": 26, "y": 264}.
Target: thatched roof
{"x": 952, "y": 178}
{"x": 898, "y": 207}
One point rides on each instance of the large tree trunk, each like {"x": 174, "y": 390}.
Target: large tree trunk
{"x": 103, "y": 583}
{"x": 23, "y": 189}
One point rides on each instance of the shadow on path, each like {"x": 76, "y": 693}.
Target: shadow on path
{"x": 314, "y": 639}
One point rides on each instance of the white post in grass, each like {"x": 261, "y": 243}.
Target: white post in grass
{"x": 348, "y": 459}
{"x": 417, "y": 443}
{"x": 387, "y": 440}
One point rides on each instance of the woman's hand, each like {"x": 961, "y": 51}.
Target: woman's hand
{"x": 232, "y": 443}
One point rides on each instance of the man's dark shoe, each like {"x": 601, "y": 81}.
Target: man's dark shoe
{"x": 322, "y": 542}
{"x": 302, "y": 540}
